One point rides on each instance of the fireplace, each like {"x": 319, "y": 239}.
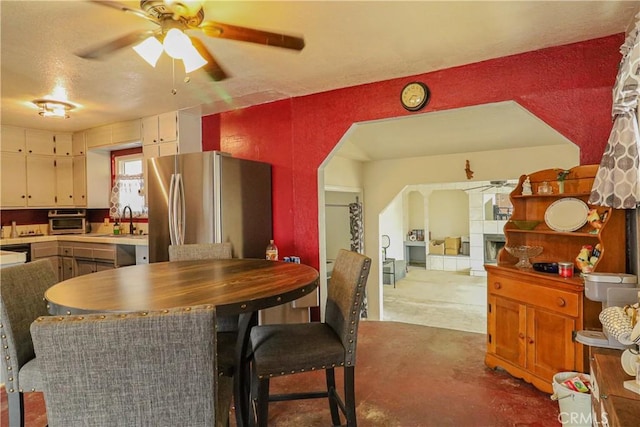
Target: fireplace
{"x": 492, "y": 245}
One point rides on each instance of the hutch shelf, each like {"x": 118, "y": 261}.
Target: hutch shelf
{"x": 532, "y": 316}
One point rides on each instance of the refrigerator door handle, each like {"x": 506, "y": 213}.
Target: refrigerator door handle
{"x": 171, "y": 210}
{"x": 182, "y": 211}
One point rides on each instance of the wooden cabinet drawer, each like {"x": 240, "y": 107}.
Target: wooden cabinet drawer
{"x": 44, "y": 250}
{"x": 106, "y": 254}
{"x": 564, "y": 302}
{"x": 65, "y": 251}
{"x": 95, "y": 253}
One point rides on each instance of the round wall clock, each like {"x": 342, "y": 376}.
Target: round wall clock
{"x": 414, "y": 96}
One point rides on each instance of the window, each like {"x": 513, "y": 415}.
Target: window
{"x": 127, "y": 183}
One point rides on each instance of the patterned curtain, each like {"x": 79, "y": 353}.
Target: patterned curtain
{"x": 357, "y": 242}
{"x": 617, "y": 183}
{"x": 355, "y": 220}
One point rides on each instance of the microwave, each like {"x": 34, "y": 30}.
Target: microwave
{"x": 68, "y": 221}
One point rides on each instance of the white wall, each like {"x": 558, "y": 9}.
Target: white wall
{"x": 384, "y": 180}
{"x": 337, "y": 220}
{"x": 391, "y": 224}
{"x": 448, "y": 214}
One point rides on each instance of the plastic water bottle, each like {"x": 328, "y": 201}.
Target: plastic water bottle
{"x": 272, "y": 251}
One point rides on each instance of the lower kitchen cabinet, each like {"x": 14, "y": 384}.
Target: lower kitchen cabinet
{"x": 48, "y": 250}
{"x": 531, "y": 323}
{"x": 73, "y": 259}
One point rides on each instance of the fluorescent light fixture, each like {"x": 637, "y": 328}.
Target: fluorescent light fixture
{"x": 150, "y": 50}
{"x": 53, "y": 108}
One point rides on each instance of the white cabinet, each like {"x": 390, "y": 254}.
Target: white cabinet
{"x": 176, "y": 132}
{"x": 47, "y": 143}
{"x": 13, "y": 173}
{"x": 79, "y": 181}
{"x": 114, "y": 135}
{"x": 63, "y": 144}
{"x": 64, "y": 181}
{"x": 159, "y": 129}
{"x": 126, "y": 132}
{"x": 98, "y": 137}
{"x": 12, "y": 139}
{"x": 40, "y": 142}
{"x": 41, "y": 181}
{"x": 79, "y": 147}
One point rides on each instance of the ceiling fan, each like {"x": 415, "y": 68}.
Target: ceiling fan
{"x": 174, "y": 18}
{"x": 492, "y": 184}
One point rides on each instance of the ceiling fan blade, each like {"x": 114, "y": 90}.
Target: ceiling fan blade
{"x": 123, "y": 8}
{"x": 226, "y": 31}
{"x": 102, "y": 50}
{"x": 212, "y": 68}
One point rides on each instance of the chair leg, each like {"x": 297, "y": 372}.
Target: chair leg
{"x": 16, "y": 409}
{"x": 259, "y": 405}
{"x": 331, "y": 390}
{"x": 350, "y": 396}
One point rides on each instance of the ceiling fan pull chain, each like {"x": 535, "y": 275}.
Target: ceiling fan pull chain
{"x": 173, "y": 76}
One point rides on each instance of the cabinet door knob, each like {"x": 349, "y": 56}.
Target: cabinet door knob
{"x": 521, "y": 335}
{"x": 561, "y": 302}
{"x": 604, "y": 396}
{"x": 497, "y": 285}
{"x": 530, "y": 340}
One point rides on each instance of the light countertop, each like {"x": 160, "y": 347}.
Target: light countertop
{"x": 11, "y": 258}
{"x": 121, "y": 239}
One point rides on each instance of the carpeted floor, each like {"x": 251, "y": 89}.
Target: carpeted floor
{"x": 443, "y": 299}
{"x": 406, "y": 376}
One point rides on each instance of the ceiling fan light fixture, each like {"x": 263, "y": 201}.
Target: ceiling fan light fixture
{"x": 53, "y": 108}
{"x": 150, "y": 50}
{"x": 192, "y": 60}
{"x": 176, "y": 43}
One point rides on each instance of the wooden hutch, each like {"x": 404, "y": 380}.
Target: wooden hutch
{"x": 532, "y": 316}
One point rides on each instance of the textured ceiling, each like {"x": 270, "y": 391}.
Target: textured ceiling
{"x": 347, "y": 43}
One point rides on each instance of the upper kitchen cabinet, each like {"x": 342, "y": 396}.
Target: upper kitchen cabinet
{"x": 39, "y": 142}
{"x": 114, "y": 136}
{"x": 13, "y": 172}
{"x": 12, "y": 139}
{"x": 41, "y": 181}
{"x": 182, "y": 130}
{"x": 160, "y": 128}
{"x": 48, "y": 143}
{"x": 79, "y": 147}
{"x": 63, "y": 144}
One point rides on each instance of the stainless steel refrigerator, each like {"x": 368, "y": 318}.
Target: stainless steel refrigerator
{"x": 208, "y": 197}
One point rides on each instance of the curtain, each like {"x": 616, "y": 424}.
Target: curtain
{"x": 127, "y": 191}
{"x": 617, "y": 182}
{"x": 357, "y": 242}
{"x": 355, "y": 222}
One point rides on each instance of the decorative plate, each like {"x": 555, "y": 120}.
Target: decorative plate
{"x": 567, "y": 214}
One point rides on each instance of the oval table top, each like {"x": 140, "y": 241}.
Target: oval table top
{"x": 234, "y": 286}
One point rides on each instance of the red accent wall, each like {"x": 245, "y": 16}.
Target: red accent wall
{"x": 568, "y": 87}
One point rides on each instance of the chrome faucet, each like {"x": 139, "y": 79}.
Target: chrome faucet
{"x": 124, "y": 216}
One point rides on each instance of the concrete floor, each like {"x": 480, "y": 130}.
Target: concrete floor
{"x": 406, "y": 376}
{"x": 443, "y": 299}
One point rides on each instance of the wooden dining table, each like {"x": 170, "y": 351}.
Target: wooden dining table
{"x": 233, "y": 286}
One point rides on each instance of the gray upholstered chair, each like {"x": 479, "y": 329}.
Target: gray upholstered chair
{"x": 196, "y": 251}
{"x": 21, "y": 302}
{"x": 294, "y": 348}
{"x": 153, "y": 368}
{"x": 227, "y": 325}
{"x": 227, "y": 334}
